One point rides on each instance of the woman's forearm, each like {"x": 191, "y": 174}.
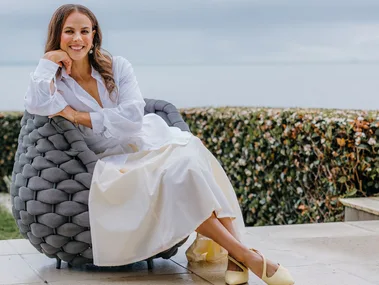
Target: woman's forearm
{"x": 76, "y": 117}
{"x": 83, "y": 118}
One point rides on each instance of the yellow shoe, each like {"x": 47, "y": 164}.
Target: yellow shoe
{"x": 280, "y": 277}
{"x": 236, "y": 277}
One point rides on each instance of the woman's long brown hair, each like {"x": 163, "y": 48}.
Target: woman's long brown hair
{"x": 99, "y": 59}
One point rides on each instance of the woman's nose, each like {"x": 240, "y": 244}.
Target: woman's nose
{"x": 77, "y": 37}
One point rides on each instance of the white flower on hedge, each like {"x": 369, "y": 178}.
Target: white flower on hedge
{"x": 360, "y": 134}
{"x": 248, "y": 172}
{"x": 358, "y": 141}
{"x": 266, "y": 135}
{"x": 299, "y": 190}
{"x": 271, "y": 140}
{"x": 268, "y": 123}
{"x": 307, "y": 148}
{"x": 371, "y": 141}
{"x": 242, "y": 162}
{"x": 308, "y": 117}
{"x": 360, "y": 118}
{"x": 258, "y": 167}
{"x": 323, "y": 140}
{"x": 259, "y": 159}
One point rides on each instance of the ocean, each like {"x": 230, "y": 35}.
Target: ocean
{"x": 306, "y": 85}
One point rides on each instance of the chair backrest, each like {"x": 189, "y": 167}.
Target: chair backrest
{"x": 167, "y": 111}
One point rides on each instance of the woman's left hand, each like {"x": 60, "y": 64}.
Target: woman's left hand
{"x": 67, "y": 113}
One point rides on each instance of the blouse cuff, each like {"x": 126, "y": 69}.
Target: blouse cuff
{"x": 97, "y": 120}
{"x": 46, "y": 69}
{"x": 53, "y": 104}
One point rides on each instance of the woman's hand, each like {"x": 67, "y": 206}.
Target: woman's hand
{"x": 76, "y": 117}
{"x": 67, "y": 113}
{"x": 60, "y": 57}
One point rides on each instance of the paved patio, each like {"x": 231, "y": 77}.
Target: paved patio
{"x": 316, "y": 254}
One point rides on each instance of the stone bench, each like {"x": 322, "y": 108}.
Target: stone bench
{"x": 361, "y": 209}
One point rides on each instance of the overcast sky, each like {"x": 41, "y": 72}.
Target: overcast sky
{"x": 207, "y": 31}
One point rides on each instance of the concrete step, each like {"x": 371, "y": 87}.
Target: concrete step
{"x": 361, "y": 209}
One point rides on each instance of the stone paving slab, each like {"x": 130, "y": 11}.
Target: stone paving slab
{"x": 316, "y": 254}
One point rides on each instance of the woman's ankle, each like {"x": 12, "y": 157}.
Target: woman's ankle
{"x": 243, "y": 255}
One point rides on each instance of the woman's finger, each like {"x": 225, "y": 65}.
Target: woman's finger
{"x": 68, "y": 67}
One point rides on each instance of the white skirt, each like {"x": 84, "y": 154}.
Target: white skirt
{"x": 161, "y": 198}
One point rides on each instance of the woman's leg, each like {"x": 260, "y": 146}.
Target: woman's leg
{"x": 215, "y": 230}
{"x": 228, "y": 224}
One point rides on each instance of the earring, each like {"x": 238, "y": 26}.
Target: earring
{"x": 91, "y": 51}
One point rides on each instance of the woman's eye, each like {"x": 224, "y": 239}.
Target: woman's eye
{"x": 68, "y": 32}
{"x": 85, "y": 32}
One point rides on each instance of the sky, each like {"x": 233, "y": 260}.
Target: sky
{"x": 205, "y": 32}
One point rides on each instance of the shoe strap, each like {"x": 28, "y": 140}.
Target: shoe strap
{"x": 240, "y": 265}
{"x": 264, "y": 272}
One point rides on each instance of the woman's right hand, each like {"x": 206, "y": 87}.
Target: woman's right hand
{"x": 61, "y": 58}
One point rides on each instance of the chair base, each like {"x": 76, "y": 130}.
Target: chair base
{"x": 150, "y": 264}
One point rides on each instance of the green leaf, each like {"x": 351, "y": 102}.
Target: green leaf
{"x": 342, "y": 179}
{"x": 352, "y": 192}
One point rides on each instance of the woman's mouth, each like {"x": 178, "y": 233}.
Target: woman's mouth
{"x": 76, "y": 48}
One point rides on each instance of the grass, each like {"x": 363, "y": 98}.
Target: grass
{"x": 8, "y": 227}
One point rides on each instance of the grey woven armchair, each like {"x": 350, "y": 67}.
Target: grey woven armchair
{"x": 50, "y": 185}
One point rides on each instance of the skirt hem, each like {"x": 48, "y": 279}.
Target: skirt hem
{"x": 176, "y": 241}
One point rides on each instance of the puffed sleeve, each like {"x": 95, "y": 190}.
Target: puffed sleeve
{"x": 125, "y": 120}
{"x": 39, "y": 98}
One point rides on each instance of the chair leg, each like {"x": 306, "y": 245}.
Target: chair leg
{"x": 59, "y": 263}
{"x": 69, "y": 265}
{"x": 150, "y": 264}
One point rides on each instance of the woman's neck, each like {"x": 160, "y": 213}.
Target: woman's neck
{"x": 81, "y": 70}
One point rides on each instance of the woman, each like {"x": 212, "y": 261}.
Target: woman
{"x": 163, "y": 178}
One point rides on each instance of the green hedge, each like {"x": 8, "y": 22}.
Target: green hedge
{"x": 291, "y": 166}
{"x": 9, "y": 130}
{"x": 287, "y": 165}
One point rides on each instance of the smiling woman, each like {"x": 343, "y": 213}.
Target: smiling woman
{"x": 162, "y": 176}
{"x": 75, "y": 30}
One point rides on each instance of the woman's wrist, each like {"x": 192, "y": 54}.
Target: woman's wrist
{"x": 75, "y": 118}
{"x": 50, "y": 57}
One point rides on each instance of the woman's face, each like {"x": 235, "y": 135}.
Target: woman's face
{"x": 77, "y": 36}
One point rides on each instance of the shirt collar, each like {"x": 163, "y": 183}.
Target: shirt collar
{"x": 94, "y": 73}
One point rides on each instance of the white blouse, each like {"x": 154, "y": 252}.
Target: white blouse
{"x": 120, "y": 126}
